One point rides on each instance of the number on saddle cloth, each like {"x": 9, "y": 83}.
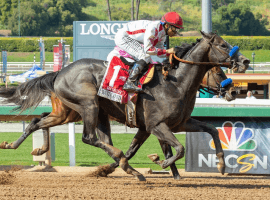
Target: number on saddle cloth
{"x": 115, "y": 78}
{"x": 113, "y": 81}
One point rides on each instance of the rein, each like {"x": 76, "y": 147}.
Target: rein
{"x": 217, "y": 90}
{"x": 200, "y": 63}
{"x": 209, "y": 42}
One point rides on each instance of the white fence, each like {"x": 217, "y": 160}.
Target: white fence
{"x": 200, "y": 102}
{"x": 13, "y": 67}
{"x": 216, "y": 102}
{"x": 211, "y": 102}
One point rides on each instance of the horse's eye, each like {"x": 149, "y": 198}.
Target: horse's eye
{"x": 223, "y": 45}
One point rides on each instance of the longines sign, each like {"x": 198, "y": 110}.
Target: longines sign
{"x": 100, "y": 28}
{"x": 94, "y": 39}
{"x": 245, "y": 142}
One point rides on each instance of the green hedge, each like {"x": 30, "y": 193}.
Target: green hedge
{"x": 31, "y": 44}
{"x": 244, "y": 42}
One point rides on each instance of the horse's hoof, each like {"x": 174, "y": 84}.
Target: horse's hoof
{"x": 36, "y": 152}
{"x": 140, "y": 178}
{"x": 178, "y": 177}
{"x": 221, "y": 168}
{"x": 3, "y": 145}
{"x": 153, "y": 157}
{"x": 104, "y": 170}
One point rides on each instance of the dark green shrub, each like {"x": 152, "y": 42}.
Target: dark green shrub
{"x": 31, "y": 44}
{"x": 244, "y": 42}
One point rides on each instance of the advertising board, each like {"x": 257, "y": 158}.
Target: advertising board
{"x": 245, "y": 142}
{"x": 4, "y": 60}
{"x": 95, "y": 39}
{"x": 56, "y": 58}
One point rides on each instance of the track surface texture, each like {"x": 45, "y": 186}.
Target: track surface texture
{"x": 77, "y": 183}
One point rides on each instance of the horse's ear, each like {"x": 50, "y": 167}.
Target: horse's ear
{"x": 205, "y": 35}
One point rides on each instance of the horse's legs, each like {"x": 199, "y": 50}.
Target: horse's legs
{"x": 46, "y": 137}
{"x": 46, "y": 145}
{"x": 61, "y": 114}
{"x": 103, "y": 127}
{"x": 167, "y": 150}
{"x": 193, "y": 125}
{"x": 140, "y": 137}
{"x": 90, "y": 115}
{"x": 136, "y": 143}
{"x": 164, "y": 134}
{"x": 29, "y": 129}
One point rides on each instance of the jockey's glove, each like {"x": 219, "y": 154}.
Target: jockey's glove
{"x": 170, "y": 51}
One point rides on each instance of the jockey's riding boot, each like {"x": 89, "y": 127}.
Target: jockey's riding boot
{"x": 136, "y": 70}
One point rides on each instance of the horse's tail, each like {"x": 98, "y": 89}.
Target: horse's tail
{"x": 30, "y": 93}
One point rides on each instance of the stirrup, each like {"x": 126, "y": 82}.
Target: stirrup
{"x": 130, "y": 87}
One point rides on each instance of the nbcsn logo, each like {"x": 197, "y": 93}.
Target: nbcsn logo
{"x": 235, "y": 137}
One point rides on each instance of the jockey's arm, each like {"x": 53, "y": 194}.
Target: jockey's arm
{"x": 152, "y": 46}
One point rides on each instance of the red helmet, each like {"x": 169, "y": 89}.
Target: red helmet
{"x": 173, "y": 19}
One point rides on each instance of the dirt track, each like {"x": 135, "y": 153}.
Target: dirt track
{"x": 73, "y": 183}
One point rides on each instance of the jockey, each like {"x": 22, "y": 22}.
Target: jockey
{"x": 138, "y": 40}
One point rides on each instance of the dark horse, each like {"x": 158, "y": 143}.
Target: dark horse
{"x": 164, "y": 108}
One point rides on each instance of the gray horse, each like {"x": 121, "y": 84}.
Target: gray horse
{"x": 164, "y": 108}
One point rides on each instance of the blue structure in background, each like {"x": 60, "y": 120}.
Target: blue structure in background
{"x": 30, "y": 74}
{"x": 41, "y": 54}
{"x": 4, "y": 59}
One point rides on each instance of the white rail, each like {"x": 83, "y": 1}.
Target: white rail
{"x": 22, "y": 64}
{"x": 200, "y": 102}
{"x": 267, "y": 64}
{"x": 50, "y": 64}
{"x": 13, "y": 67}
{"x": 216, "y": 102}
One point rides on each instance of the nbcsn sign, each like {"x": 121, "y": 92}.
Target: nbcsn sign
{"x": 235, "y": 137}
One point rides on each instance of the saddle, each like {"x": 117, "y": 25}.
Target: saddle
{"x": 115, "y": 77}
{"x": 112, "y": 86}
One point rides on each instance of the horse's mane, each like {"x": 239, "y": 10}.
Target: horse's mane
{"x": 194, "y": 46}
{"x": 183, "y": 51}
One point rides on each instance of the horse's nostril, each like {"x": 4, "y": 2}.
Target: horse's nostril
{"x": 233, "y": 93}
{"x": 246, "y": 61}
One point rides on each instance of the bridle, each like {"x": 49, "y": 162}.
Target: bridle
{"x": 214, "y": 48}
{"x": 223, "y": 53}
{"x": 217, "y": 90}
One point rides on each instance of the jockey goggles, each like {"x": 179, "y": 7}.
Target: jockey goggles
{"x": 174, "y": 29}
